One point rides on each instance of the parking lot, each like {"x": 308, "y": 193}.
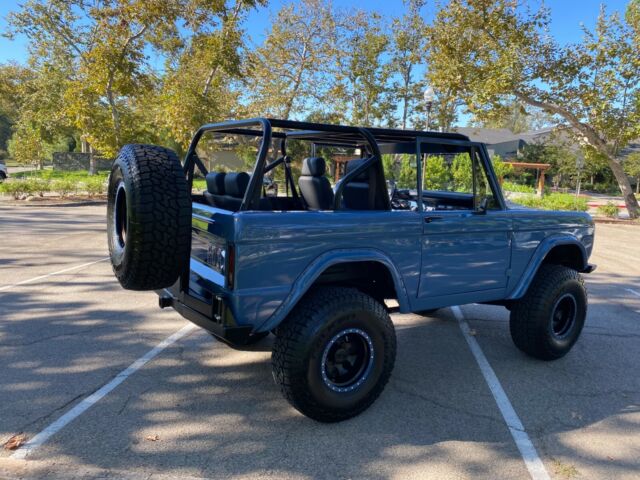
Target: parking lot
{"x": 201, "y": 409}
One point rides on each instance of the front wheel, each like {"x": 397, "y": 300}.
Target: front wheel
{"x": 334, "y": 354}
{"x": 547, "y": 321}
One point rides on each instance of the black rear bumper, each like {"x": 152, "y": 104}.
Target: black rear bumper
{"x": 589, "y": 268}
{"x": 215, "y": 317}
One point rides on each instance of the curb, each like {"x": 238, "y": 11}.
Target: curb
{"x": 619, "y": 221}
{"x": 80, "y": 203}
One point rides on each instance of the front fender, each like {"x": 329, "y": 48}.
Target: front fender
{"x": 319, "y": 265}
{"x": 539, "y": 255}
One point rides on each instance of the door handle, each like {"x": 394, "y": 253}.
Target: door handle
{"x": 432, "y": 218}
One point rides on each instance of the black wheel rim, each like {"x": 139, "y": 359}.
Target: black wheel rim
{"x": 347, "y": 360}
{"x": 120, "y": 216}
{"x": 563, "y": 315}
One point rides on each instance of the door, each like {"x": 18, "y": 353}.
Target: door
{"x": 466, "y": 241}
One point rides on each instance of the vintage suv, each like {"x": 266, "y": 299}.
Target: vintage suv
{"x": 314, "y": 245}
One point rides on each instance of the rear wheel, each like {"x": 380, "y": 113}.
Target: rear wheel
{"x": 334, "y": 354}
{"x": 547, "y": 321}
{"x": 148, "y": 217}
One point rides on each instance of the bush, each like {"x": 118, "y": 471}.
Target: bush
{"x": 516, "y": 187}
{"x": 16, "y": 188}
{"x": 95, "y": 186}
{"x": 37, "y": 186}
{"x": 64, "y": 187}
{"x": 609, "y": 210}
{"x": 555, "y": 201}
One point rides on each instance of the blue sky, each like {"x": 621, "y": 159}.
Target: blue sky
{"x": 566, "y": 14}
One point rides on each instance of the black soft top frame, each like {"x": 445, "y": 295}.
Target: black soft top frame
{"x": 374, "y": 140}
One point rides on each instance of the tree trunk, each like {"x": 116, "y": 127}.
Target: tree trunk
{"x": 630, "y": 200}
{"x": 115, "y": 115}
{"x": 92, "y": 161}
{"x": 594, "y": 139}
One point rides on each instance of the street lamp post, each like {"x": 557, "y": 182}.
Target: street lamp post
{"x": 429, "y": 98}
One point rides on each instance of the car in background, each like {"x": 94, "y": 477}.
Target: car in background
{"x": 3, "y": 171}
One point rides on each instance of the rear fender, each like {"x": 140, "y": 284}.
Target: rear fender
{"x": 538, "y": 257}
{"x": 324, "y": 261}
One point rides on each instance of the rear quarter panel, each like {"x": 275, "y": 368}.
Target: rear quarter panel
{"x": 275, "y": 249}
{"x": 532, "y": 227}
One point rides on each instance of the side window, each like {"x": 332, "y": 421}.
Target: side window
{"x": 448, "y": 172}
{"x": 452, "y": 170}
{"x": 483, "y": 187}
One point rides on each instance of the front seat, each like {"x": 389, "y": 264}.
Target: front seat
{"x": 360, "y": 192}
{"x": 314, "y": 186}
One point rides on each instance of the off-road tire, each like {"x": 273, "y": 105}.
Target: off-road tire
{"x": 298, "y": 358}
{"x": 148, "y": 217}
{"x": 532, "y": 318}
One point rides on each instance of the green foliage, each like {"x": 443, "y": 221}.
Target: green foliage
{"x": 95, "y": 185}
{"x": 462, "y": 172}
{"x": 64, "y": 186}
{"x": 407, "y": 174}
{"x": 15, "y": 188}
{"x": 27, "y": 147}
{"x": 500, "y": 168}
{"x": 437, "y": 175}
{"x": 609, "y": 210}
{"x": 489, "y": 52}
{"x": 515, "y": 187}
{"x": 555, "y": 201}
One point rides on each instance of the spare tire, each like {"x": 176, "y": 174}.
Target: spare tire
{"x": 148, "y": 217}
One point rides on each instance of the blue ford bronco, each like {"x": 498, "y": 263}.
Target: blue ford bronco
{"x": 316, "y": 232}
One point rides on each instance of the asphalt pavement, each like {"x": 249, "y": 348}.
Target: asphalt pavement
{"x": 198, "y": 408}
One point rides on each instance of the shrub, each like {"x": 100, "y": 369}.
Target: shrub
{"x": 95, "y": 186}
{"x": 37, "y": 186}
{"x": 555, "y": 201}
{"x": 16, "y": 188}
{"x": 609, "y": 210}
{"x": 64, "y": 186}
{"x": 516, "y": 187}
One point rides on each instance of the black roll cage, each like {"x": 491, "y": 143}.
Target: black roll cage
{"x": 321, "y": 134}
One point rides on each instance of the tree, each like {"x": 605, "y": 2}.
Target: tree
{"x": 197, "y": 87}
{"x": 515, "y": 117}
{"x": 27, "y": 147}
{"x": 406, "y": 52}
{"x": 632, "y": 167}
{"x": 490, "y": 51}
{"x": 286, "y": 74}
{"x": 362, "y": 77}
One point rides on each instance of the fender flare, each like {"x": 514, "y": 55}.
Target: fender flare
{"x": 537, "y": 258}
{"x": 319, "y": 265}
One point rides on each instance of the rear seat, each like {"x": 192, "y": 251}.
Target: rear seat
{"x": 226, "y": 190}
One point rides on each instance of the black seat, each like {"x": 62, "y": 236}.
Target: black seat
{"x": 359, "y": 193}
{"x": 215, "y": 188}
{"x": 235, "y": 186}
{"x": 314, "y": 186}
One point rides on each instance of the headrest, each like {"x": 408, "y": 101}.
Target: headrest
{"x": 235, "y": 184}
{"x": 353, "y": 164}
{"x": 215, "y": 182}
{"x": 314, "y": 166}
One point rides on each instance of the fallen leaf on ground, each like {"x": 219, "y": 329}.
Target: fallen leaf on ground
{"x": 15, "y": 441}
{"x": 152, "y": 438}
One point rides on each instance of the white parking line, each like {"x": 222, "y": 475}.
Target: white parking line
{"x": 35, "y": 279}
{"x": 85, "y": 404}
{"x": 523, "y": 442}
{"x": 631, "y": 290}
